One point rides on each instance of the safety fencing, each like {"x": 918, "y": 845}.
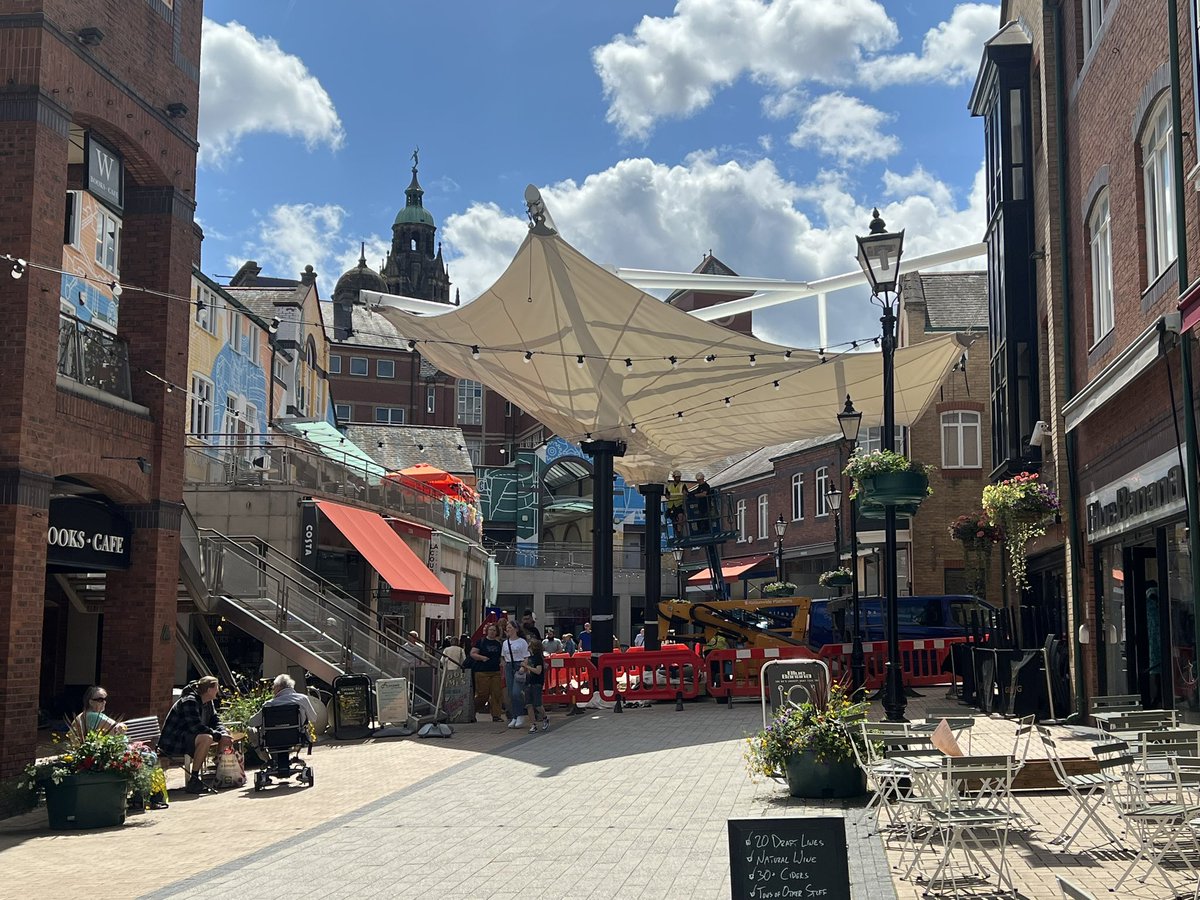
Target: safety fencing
{"x": 734, "y": 673}
{"x": 569, "y": 679}
{"x": 921, "y": 662}
{"x": 650, "y": 675}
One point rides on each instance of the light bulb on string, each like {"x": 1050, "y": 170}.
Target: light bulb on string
{"x": 628, "y": 364}
{"x": 679, "y": 415}
{"x": 579, "y": 360}
{"x": 633, "y": 427}
{"x": 753, "y": 360}
{"x": 787, "y": 354}
{"x": 18, "y": 266}
{"x": 673, "y": 361}
{"x": 412, "y": 345}
{"x": 528, "y": 356}
{"x": 775, "y": 384}
{"x": 728, "y": 402}
{"x": 712, "y": 357}
{"x": 115, "y": 287}
{"x": 474, "y": 351}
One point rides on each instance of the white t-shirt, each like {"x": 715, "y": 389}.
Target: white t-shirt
{"x": 514, "y": 649}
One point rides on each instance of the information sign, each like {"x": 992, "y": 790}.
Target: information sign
{"x": 788, "y": 857}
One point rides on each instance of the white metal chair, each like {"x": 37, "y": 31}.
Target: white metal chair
{"x": 1160, "y": 823}
{"x": 1087, "y": 790}
{"x": 1072, "y": 891}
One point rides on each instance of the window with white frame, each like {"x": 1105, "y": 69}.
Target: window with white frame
{"x": 797, "y": 496}
{"x": 470, "y": 402}
{"x": 1157, "y": 181}
{"x": 389, "y": 415}
{"x": 359, "y": 366}
{"x": 248, "y": 429}
{"x": 870, "y": 440}
{"x": 201, "y": 423}
{"x": 961, "y": 445}
{"x": 71, "y": 230}
{"x": 108, "y": 241}
{"x": 342, "y": 412}
{"x": 430, "y": 398}
{"x": 229, "y": 425}
{"x": 1100, "y": 236}
{"x": 385, "y": 368}
{"x": 822, "y": 484}
{"x": 253, "y": 346}
{"x": 335, "y": 364}
{"x": 208, "y": 309}
{"x": 743, "y": 534}
{"x": 1093, "y": 18}
{"x": 237, "y": 328}
{"x": 764, "y": 516}
{"x": 475, "y": 450}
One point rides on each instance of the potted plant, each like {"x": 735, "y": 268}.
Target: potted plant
{"x": 812, "y": 747}
{"x": 779, "y": 589}
{"x": 887, "y": 478}
{"x": 839, "y": 577}
{"x": 86, "y": 786}
{"x": 978, "y": 535}
{"x": 1020, "y": 507}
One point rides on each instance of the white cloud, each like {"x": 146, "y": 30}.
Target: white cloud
{"x": 846, "y": 128}
{"x": 950, "y": 52}
{"x": 671, "y": 67}
{"x": 248, "y": 84}
{"x": 643, "y": 214}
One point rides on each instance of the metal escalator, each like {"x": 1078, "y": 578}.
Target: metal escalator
{"x": 291, "y": 609}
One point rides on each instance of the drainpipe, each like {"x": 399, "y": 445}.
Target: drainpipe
{"x": 1185, "y": 338}
{"x": 1076, "y": 559}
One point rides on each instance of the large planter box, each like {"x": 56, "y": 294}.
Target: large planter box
{"x": 789, "y": 593}
{"x": 820, "y": 780}
{"x": 837, "y": 581}
{"x": 895, "y": 488}
{"x": 87, "y": 800}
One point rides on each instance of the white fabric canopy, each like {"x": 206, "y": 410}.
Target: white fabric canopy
{"x": 557, "y": 304}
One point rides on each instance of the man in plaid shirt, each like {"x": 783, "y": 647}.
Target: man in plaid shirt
{"x": 191, "y": 728}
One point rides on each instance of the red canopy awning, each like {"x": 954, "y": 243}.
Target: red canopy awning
{"x": 730, "y": 570}
{"x": 408, "y": 577}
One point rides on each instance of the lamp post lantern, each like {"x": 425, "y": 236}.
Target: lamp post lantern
{"x": 879, "y": 256}
{"x": 780, "y": 528}
{"x": 850, "y": 421}
{"x": 677, "y": 552}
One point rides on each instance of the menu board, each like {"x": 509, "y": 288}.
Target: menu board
{"x": 391, "y": 699}
{"x": 792, "y": 682}
{"x": 788, "y": 857}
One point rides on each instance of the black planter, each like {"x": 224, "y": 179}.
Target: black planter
{"x": 819, "y": 780}
{"x": 837, "y": 581}
{"x": 894, "y": 488}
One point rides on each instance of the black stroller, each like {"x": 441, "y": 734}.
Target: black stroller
{"x": 282, "y": 736}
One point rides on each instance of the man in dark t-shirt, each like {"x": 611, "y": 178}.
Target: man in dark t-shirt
{"x": 485, "y": 659}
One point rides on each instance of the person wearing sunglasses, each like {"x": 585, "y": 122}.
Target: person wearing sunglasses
{"x": 94, "y": 716}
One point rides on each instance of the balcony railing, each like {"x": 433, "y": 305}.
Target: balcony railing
{"x": 92, "y": 356}
{"x": 563, "y": 556}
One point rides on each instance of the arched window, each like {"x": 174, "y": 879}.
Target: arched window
{"x": 822, "y": 489}
{"x": 1158, "y": 179}
{"x": 961, "y": 440}
{"x": 764, "y": 517}
{"x": 797, "y": 496}
{"x": 1100, "y": 239}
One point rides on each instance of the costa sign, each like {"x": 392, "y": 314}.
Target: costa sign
{"x": 86, "y": 536}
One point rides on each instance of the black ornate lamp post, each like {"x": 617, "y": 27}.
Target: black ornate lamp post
{"x": 850, "y": 420}
{"x": 677, "y": 552}
{"x": 879, "y": 256}
{"x": 780, "y": 528}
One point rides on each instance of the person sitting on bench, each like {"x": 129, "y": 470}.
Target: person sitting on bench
{"x": 284, "y": 687}
{"x": 192, "y": 727}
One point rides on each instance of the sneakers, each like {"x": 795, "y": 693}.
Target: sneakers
{"x": 512, "y": 723}
{"x": 533, "y": 729}
{"x": 196, "y": 786}
{"x": 519, "y": 722}
{"x": 545, "y": 724}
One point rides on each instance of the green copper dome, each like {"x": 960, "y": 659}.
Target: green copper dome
{"x": 414, "y": 212}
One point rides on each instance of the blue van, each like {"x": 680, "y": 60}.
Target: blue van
{"x": 928, "y": 616}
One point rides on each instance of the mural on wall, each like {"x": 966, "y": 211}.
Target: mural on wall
{"x": 91, "y": 300}
{"x": 629, "y": 507}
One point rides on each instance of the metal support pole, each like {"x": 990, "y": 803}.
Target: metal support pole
{"x": 654, "y": 495}
{"x": 779, "y": 559}
{"x": 858, "y": 665}
{"x": 602, "y": 454}
{"x": 894, "y": 702}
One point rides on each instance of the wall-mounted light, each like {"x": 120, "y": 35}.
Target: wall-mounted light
{"x": 90, "y": 36}
{"x": 142, "y": 463}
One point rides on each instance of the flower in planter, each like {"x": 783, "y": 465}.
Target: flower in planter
{"x": 825, "y": 727}
{"x": 104, "y": 751}
{"x": 835, "y": 577}
{"x": 1020, "y": 506}
{"x": 784, "y": 588}
{"x": 882, "y": 462}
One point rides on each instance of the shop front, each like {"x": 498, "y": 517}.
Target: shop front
{"x": 1142, "y": 630}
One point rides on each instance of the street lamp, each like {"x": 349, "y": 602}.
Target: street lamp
{"x": 833, "y": 499}
{"x": 677, "y": 552}
{"x": 780, "y": 528}
{"x": 850, "y": 420}
{"x": 879, "y": 256}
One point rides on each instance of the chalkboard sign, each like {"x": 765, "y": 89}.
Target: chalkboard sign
{"x": 788, "y": 857}
{"x": 792, "y": 682}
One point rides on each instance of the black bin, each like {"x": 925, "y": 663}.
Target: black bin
{"x": 351, "y": 707}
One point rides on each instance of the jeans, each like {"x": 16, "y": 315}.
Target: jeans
{"x": 516, "y": 690}
{"x": 488, "y": 690}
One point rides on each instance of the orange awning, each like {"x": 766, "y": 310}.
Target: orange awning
{"x": 408, "y": 577}
{"x": 729, "y": 571}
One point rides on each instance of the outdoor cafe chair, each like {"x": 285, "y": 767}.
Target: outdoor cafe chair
{"x": 881, "y": 775}
{"x": 973, "y": 818}
{"x": 1088, "y": 790}
{"x": 1115, "y": 703}
{"x": 1139, "y": 720}
{"x": 894, "y": 772}
{"x": 1159, "y": 822}
{"x": 1072, "y": 891}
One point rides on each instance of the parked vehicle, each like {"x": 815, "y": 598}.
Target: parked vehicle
{"x": 921, "y": 617}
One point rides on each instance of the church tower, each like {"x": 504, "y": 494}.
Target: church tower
{"x": 414, "y": 267}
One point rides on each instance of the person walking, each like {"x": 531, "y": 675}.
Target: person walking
{"x": 514, "y": 651}
{"x": 535, "y": 676}
{"x": 640, "y": 640}
{"x": 585, "y": 637}
{"x": 488, "y": 685}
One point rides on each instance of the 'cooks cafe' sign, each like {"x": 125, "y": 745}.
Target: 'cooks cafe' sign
{"x": 1149, "y": 493}
{"x": 86, "y": 536}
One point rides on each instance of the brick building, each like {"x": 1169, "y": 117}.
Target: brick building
{"x": 97, "y": 172}
{"x": 1090, "y": 237}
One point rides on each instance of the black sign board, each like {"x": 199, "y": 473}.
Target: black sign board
{"x": 788, "y": 857}
{"x": 351, "y": 707}
{"x": 86, "y": 536}
{"x": 308, "y": 535}
{"x": 105, "y": 173}
{"x": 792, "y": 682}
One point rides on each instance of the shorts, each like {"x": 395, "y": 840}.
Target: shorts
{"x": 533, "y": 695}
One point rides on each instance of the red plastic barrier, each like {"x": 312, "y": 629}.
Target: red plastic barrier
{"x": 734, "y": 673}
{"x": 920, "y": 661}
{"x": 650, "y": 675}
{"x": 568, "y": 680}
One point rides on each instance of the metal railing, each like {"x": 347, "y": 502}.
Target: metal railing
{"x": 291, "y": 461}
{"x": 92, "y": 356}
{"x": 563, "y": 556}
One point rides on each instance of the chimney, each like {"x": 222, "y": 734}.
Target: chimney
{"x": 308, "y": 277}
{"x": 343, "y": 321}
{"x": 247, "y": 275}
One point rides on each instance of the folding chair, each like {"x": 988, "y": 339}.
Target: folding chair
{"x": 966, "y": 820}
{"x": 1087, "y": 790}
{"x": 1140, "y": 720}
{"x": 1159, "y": 825}
{"x": 1072, "y": 891}
{"x": 1115, "y": 703}
{"x": 882, "y": 777}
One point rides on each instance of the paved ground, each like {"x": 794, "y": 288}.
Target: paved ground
{"x": 602, "y": 806}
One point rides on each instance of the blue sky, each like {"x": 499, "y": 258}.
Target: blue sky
{"x": 763, "y": 130}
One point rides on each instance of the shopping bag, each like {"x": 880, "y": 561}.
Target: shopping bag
{"x": 231, "y": 770}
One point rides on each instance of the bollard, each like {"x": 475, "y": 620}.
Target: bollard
{"x": 573, "y": 710}
{"x": 617, "y": 706}
{"x": 679, "y": 701}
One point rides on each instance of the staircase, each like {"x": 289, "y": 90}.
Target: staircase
{"x": 289, "y": 608}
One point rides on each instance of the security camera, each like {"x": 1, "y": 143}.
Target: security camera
{"x": 1041, "y": 431}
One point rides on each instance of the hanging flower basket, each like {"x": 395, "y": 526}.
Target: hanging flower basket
{"x": 1020, "y": 507}
{"x": 779, "y": 589}
{"x": 887, "y": 478}
{"x": 835, "y": 578}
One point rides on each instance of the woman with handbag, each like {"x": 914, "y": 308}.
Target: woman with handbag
{"x": 514, "y": 652}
